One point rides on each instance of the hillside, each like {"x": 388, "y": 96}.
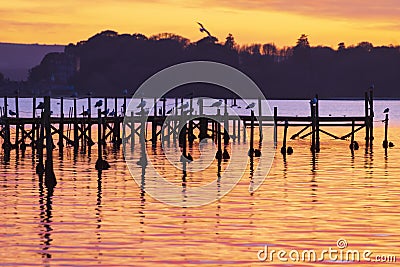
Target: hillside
{"x": 17, "y": 59}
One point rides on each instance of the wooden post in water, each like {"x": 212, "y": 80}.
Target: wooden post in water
{"x": 317, "y": 141}
{"x": 7, "y": 141}
{"x": 40, "y": 143}
{"x": 154, "y": 124}
{"x": 76, "y": 136}
{"x": 251, "y": 150}
{"x": 104, "y": 128}
{"x": 89, "y": 125}
{"x": 371, "y": 119}
{"x": 61, "y": 127}
{"x": 219, "y": 138}
{"x": 190, "y": 129}
{"x": 101, "y": 164}
{"x": 352, "y": 135}
{"x": 33, "y": 124}
{"x": 260, "y": 119}
{"x": 17, "y": 126}
{"x": 226, "y": 123}
{"x": 133, "y": 133}
{"x": 50, "y": 178}
{"x": 238, "y": 131}
{"x": 275, "y": 127}
{"x": 283, "y": 149}
{"x": 313, "y": 119}
{"x": 367, "y": 120}
{"x": 386, "y": 142}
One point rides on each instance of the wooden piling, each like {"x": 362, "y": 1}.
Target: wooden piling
{"x": 352, "y": 135}
{"x": 367, "y": 120}
{"x": 50, "y": 178}
{"x": 61, "y": 127}
{"x": 76, "y": 136}
{"x": 17, "y": 126}
{"x": 133, "y": 133}
{"x": 33, "y": 124}
{"x": 251, "y": 150}
{"x": 313, "y": 125}
{"x": 385, "y": 141}
{"x": 154, "y": 125}
{"x": 371, "y": 118}
{"x": 285, "y": 131}
{"x": 275, "y": 127}
{"x": 260, "y": 121}
{"x": 317, "y": 140}
{"x": 89, "y": 125}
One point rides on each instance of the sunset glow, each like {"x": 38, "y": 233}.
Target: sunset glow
{"x": 327, "y": 22}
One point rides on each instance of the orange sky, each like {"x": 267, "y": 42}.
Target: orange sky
{"x": 327, "y": 22}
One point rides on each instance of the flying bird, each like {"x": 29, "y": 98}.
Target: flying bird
{"x": 40, "y": 106}
{"x": 12, "y": 113}
{"x": 251, "y": 105}
{"x": 217, "y": 104}
{"x": 202, "y": 29}
{"x": 142, "y": 104}
{"x": 98, "y": 104}
{"x": 386, "y": 110}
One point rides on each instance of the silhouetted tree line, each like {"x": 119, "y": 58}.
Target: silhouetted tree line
{"x": 108, "y": 63}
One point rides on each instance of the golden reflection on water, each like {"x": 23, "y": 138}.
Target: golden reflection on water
{"x": 304, "y": 203}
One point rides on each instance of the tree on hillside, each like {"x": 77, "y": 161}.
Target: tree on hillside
{"x": 230, "y": 42}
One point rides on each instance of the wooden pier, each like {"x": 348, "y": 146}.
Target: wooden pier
{"x": 116, "y": 127}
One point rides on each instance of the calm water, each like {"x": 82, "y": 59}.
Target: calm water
{"x": 304, "y": 203}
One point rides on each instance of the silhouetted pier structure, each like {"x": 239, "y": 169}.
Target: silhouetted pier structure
{"x": 117, "y": 127}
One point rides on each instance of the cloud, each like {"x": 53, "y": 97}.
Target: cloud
{"x": 343, "y": 9}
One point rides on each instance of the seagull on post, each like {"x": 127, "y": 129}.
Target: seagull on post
{"x": 40, "y": 106}
{"x": 386, "y": 110}
{"x": 98, "y": 104}
{"x": 251, "y": 105}
{"x": 142, "y": 104}
{"x": 217, "y": 104}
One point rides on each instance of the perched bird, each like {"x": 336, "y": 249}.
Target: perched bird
{"x": 251, "y": 105}
{"x": 12, "y": 113}
{"x": 142, "y": 104}
{"x": 202, "y": 29}
{"x": 170, "y": 111}
{"x": 186, "y": 112}
{"x": 314, "y": 101}
{"x": 184, "y": 106}
{"x": 40, "y": 106}
{"x": 98, "y": 104}
{"x": 105, "y": 112}
{"x": 386, "y": 110}
{"x": 217, "y": 104}
{"x": 112, "y": 113}
{"x": 143, "y": 112}
{"x": 85, "y": 113}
